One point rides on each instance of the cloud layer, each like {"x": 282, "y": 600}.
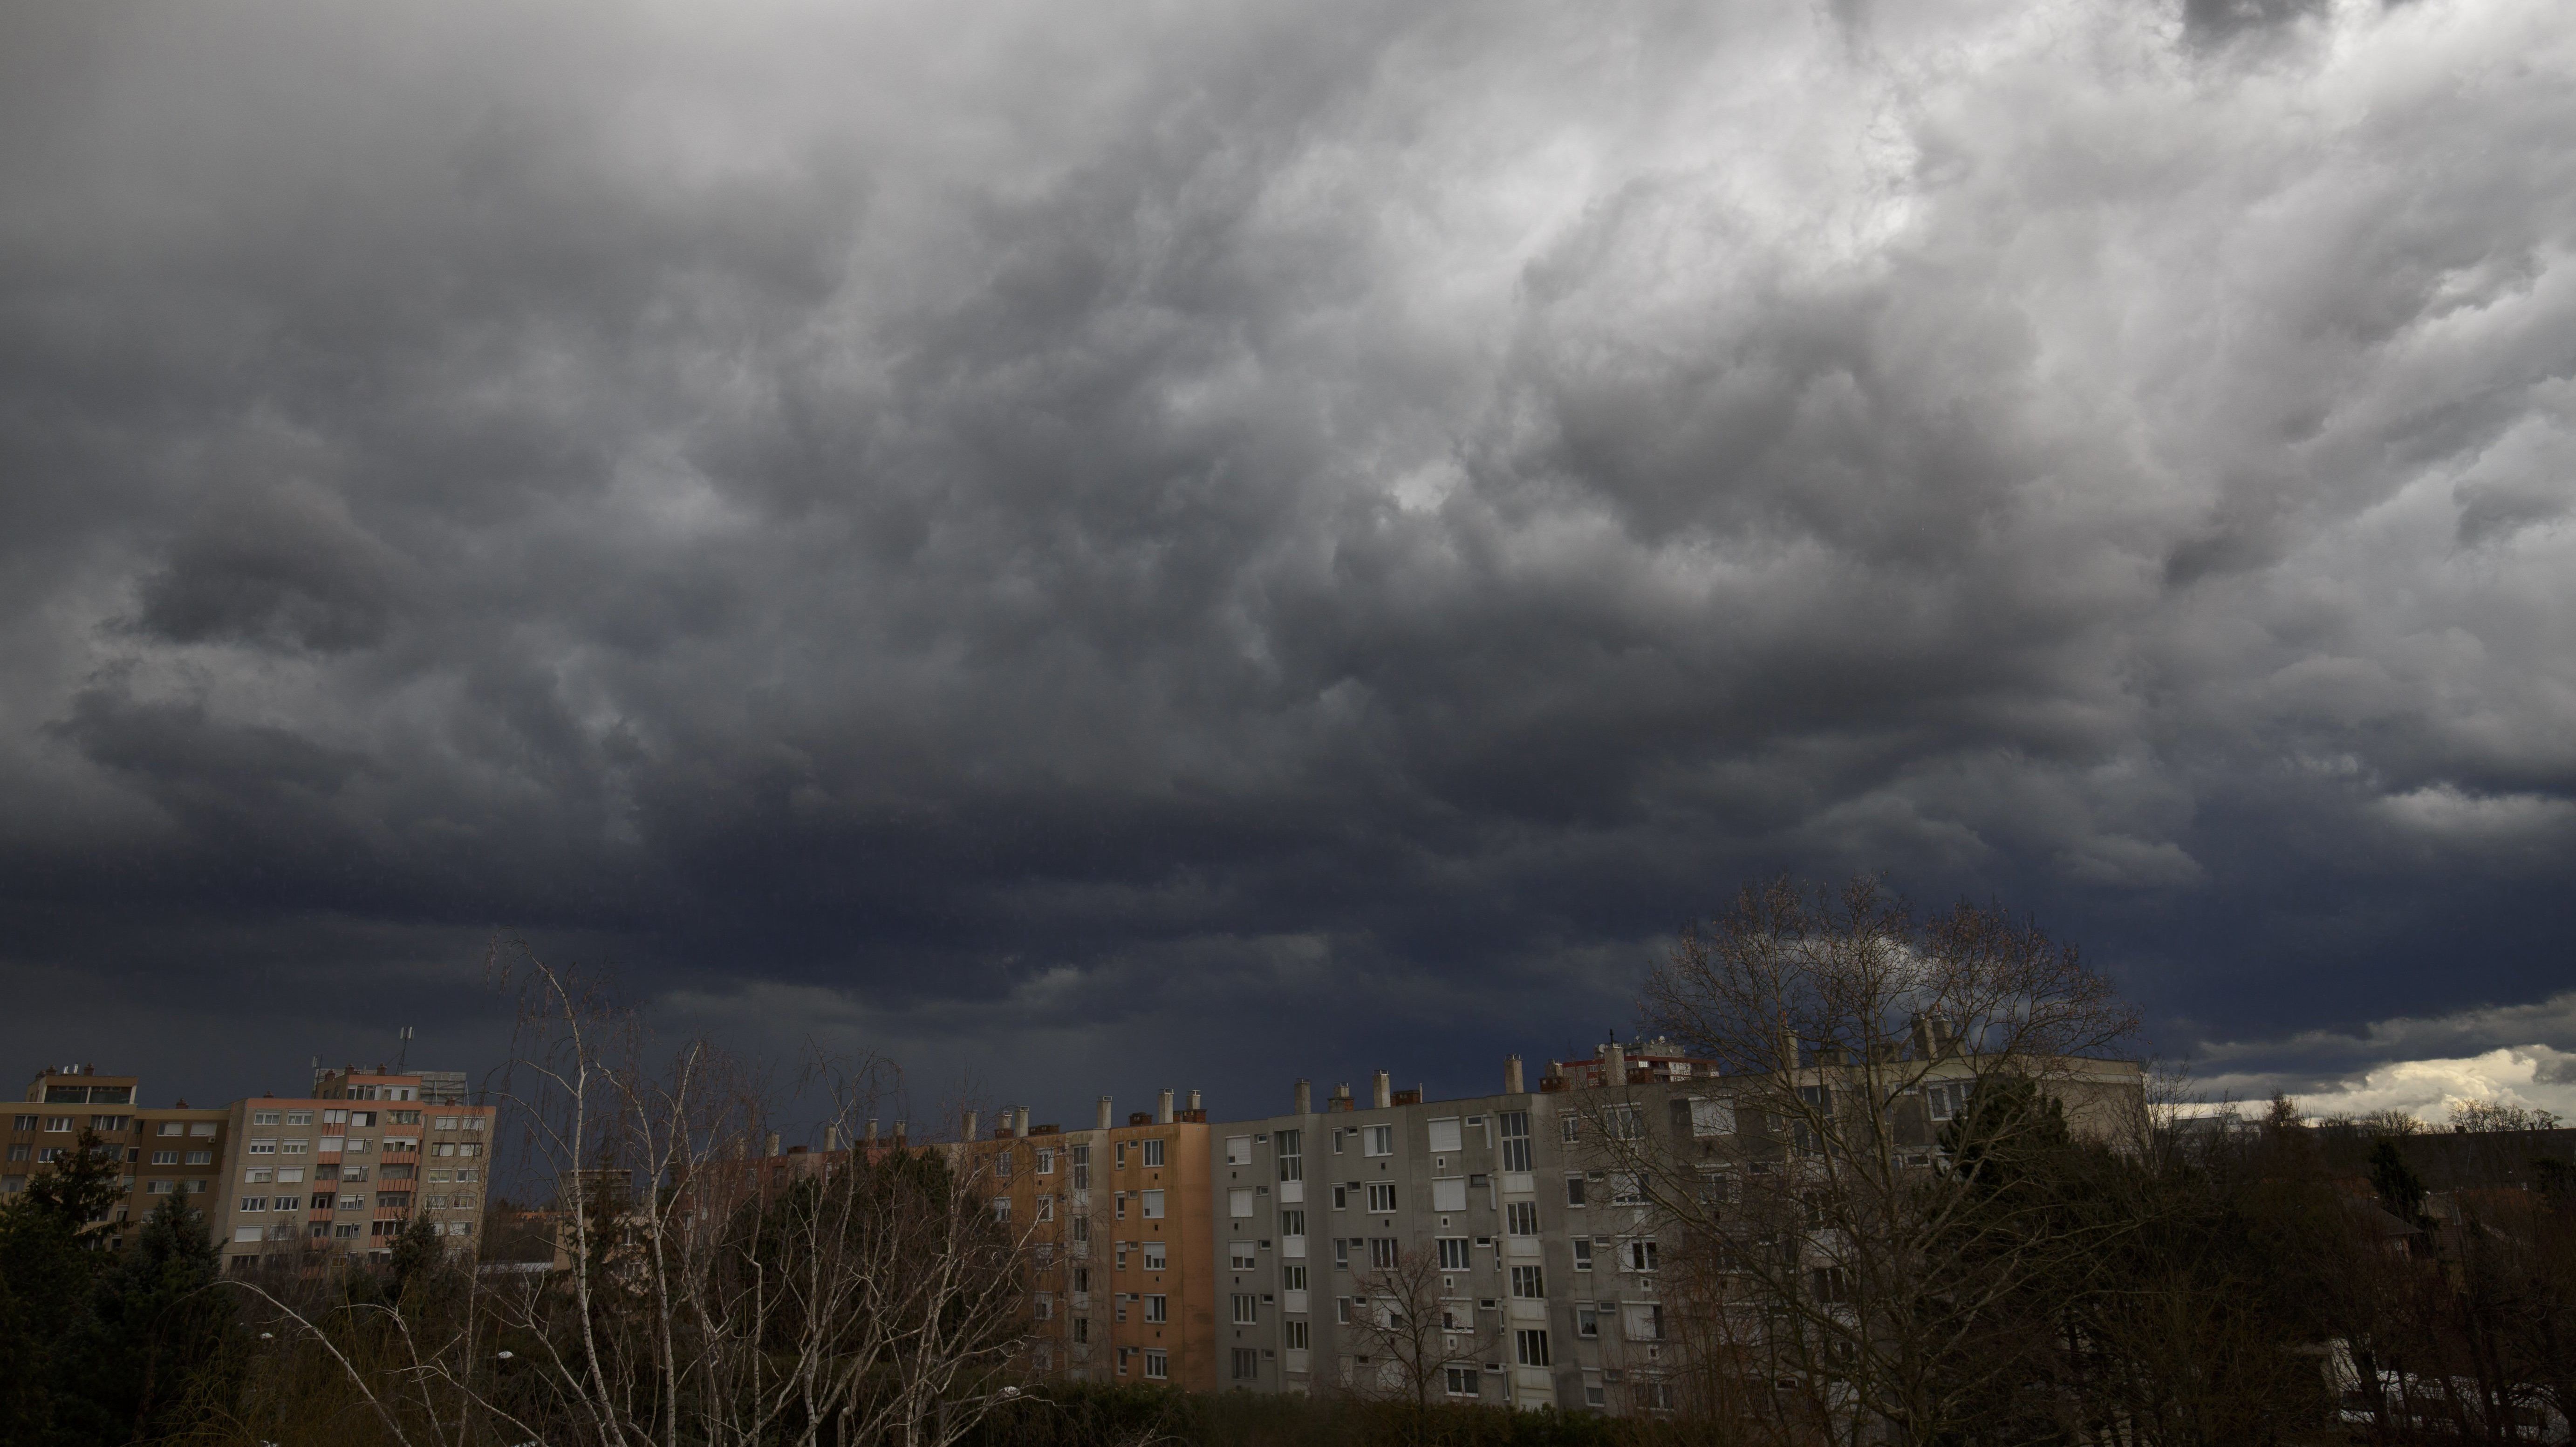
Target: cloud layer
{"x": 1062, "y": 539}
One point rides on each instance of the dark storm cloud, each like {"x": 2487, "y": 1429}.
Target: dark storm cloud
{"x": 1020, "y": 540}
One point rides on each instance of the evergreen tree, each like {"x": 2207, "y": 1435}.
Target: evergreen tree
{"x": 155, "y": 1349}
{"x": 2399, "y": 1188}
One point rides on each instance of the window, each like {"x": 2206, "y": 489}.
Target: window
{"x": 201, "y": 1129}
{"x": 1656, "y": 1396}
{"x": 116, "y": 1125}
{"x": 403, "y": 1117}
{"x": 1238, "y": 1150}
{"x": 1046, "y": 1208}
{"x": 1081, "y": 1227}
{"x": 1246, "y": 1308}
{"x": 1239, "y": 1257}
{"x": 1641, "y": 1255}
{"x": 1293, "y": 1333}
{"x": 1044, "y": 1304}
{"x": 1158, "y": 1365}
{"x": 1342, "y": 1310}
{"x": 1153, "y": 1205}
{"x": 58, "y": 1125}
{"x": 290, "y": 1174}
{"x": 1382, "y": 1251}
{"x": 1001, "y": 1208}
{"x": 1122, "y": 1255}
{"x": 299, "y": 1117}
{"x": 26, "y": 1122}
{"x": 1829, "y": 1285}
{"x": 1587, "y": 1320}
{"x": 1002, "y": 1164}
{"x": 1531, "y": 1346}
{"x": 170, "y": 1127}
{"x": 1081, "y": 1168}
{"x": 1516, "y": 1145}
{"x": 1238, "y": 1203}
{"x": 1046, "y": 1161}
{"x": 1642, "y": 1321}
{"x": 1582, "y": 1253}
{"x": 201, "y": 1158}
{"x": 1529, "y": 1283}
{"x": 258, "y": 1175}
{"x": 1569, "y": 1125}
{"x": 1291, "y": 1146}
{"x": 1449, "y": 1193}
{"x": 1153, "y": 1153}
{"x": 1081, "y": 1329}
{"x": 1155, "y": 1255}
{"x": 1341, "y": 1196}
{"x": 1377, "y": 1140}
{"x": 1118, "y": 1205}
{"x": 1949, "y": 1098}
{"x": 1292, "y": 1278}
{"x": 1626, "y": 1190}
{"x": 1118, "y": 1305}
{"x": 1247, "y": 1364}
{"x": 1453, "y": 1253}
{"x": 1711, "y": 1117}
{"x": 1381, "y": 1196}
{"x": 165, "y": 1158}
{"x": 1118, "y": 1155}
{"x": 291, "y": 1147}
{"x": 1626, "y": 1122}
{"x": 159, "y": 1188}
{"x": 1157, "y": 1307}
{"x": 1292, "y": 1221}
{"x": 1462, "y": 1381}
{"x": 1520, "y": 1218}
{"x": 1443, "y": 1135}
{"x": 18, "y": 1152}
{"x": 254, "y": 1203}
{"x": 335, "y": 1117}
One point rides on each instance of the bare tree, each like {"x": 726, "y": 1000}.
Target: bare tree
{"x": 1416, "y": 1330}
{"x": 1852, "y": 1210}
{"x": 714, "y": 1293}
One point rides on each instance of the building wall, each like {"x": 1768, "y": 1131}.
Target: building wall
{"x": 344, "y": 1173}
{"x": 164, "y": 1151}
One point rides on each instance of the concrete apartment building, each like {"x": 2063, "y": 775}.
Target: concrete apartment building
{"x": 1547, "y": 1266}
{"x": 345, "y": 1170}
{"x": 1119, "y": 1221}
{"x": 165, "y": 1150}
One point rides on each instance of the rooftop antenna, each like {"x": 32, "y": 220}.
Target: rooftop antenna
{"x": 405, "y": 1052}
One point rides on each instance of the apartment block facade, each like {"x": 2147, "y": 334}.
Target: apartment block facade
{"x": 344, "y": 1171}
{"x": 1119, "y": 1225}
{"x": 165, "y": 1150}
{"x": 1547, "y": 1258}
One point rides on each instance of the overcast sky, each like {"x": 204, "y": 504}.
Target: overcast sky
{"x": 1091, "y": 547}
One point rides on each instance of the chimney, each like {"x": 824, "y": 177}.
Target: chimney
{"x": 1788, "y": 1044}
{"x": 1614, "y": 1069}
{"x": 1024, "y": 1120}
{"x": 831, "y": 1138}
{"x": 872, "y": 1130}
{"x": 1194, "y": 1101}
{"x": 1104, "y": 1114}
{"x": 1163, "y": 1108}
{"x": 773, "y": 1143}
{"x": 974, "y": 1118}
{"x": 898, "y": 1135}
{"x": 1512, "y": 1075}
{"x": 1305, "y": 1097}
{"x": 1381, "y": 1091}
